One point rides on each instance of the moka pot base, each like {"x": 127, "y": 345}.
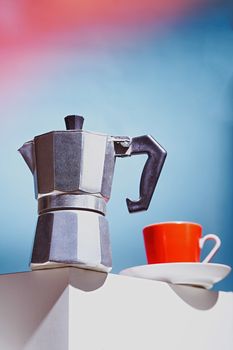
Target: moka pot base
{"x": 72, "y": 238}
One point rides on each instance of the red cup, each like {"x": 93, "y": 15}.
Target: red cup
{"x": 177, "y": 241}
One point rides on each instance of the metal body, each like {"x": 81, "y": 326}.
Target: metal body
{"x": 73, "y": 173}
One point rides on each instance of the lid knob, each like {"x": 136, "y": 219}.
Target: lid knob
{"x": 74, "y": 122}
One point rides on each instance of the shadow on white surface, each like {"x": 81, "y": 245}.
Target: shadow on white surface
{"x": 86, "y": 280}
{"x": 198, "y": 298}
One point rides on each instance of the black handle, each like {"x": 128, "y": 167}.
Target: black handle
{"x": 156, "y": 156}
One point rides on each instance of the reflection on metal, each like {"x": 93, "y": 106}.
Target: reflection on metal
{"x": 71, "y": 201}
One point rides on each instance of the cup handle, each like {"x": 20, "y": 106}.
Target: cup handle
{"x": 214, "y": 249}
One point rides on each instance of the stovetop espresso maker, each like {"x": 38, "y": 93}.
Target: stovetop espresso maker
{"x": 73, "y": 173}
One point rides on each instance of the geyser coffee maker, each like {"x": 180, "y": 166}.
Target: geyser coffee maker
{"x": 73, "y": 172}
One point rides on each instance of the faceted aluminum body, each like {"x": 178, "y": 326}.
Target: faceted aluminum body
{"x": 72, "y": 169}
{"x": 74, "y": 161}
{"x": 70, "y": 238}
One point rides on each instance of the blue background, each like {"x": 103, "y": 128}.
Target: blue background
{"x": 173, "y": 80}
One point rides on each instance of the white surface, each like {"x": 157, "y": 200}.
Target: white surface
{"x": 197, "y": 274}
{"x": 34, "y": 307}
{"x": 76, "y": 309}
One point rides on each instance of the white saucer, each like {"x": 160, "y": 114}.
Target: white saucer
{"x": 196, "y": 274}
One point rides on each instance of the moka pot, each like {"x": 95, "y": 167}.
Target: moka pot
{"x": 73, "y": 173}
